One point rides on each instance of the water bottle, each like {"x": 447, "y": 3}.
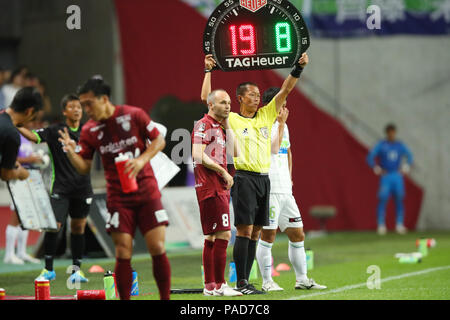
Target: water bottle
{"x": 110, "y": 287}
{"x": 135, "y": 284}
{"x": 232, "y": 273}
{"x": 410, "y": 259}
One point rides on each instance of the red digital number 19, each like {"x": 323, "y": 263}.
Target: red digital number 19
{"x": 246, "y": 34}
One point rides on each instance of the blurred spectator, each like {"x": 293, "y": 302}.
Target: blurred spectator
{"x": 16, "y": 82}
{"x": 6, "y": 75}
{"x": 31, "y": 80}
{"x": 42, "y": 87}
{"x": 19, "y": 78}
{"x": 2, "y": 82}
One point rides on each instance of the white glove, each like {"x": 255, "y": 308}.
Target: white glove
{"x": 406, "y": 168}
{"x": 377, "y": 170}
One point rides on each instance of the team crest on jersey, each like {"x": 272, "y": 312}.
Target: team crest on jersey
{"x": 202, "y": 127}
{"x": 264, "y": 132}
{"x": 393, "y": 155}
{"x": 126, "y": 126}
{"x": 125, "y": 121}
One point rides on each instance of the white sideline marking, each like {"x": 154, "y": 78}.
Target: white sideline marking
{"x": 359, "y": 285}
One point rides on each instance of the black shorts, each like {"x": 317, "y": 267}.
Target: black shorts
{"x": 77, "y": 208}
{"x": 250, "y": 195}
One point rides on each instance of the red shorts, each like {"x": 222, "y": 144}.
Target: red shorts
{"x": 215, "y": 214}
{"x": 125, "y": 216}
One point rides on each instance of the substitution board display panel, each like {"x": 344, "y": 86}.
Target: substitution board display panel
{"x": 32, "y": 203}
{"x": 256, "y": 34}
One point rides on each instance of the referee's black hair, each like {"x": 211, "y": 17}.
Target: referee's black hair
{"x": 269, "y": 94}
{"x": 68, "y": 98}
{"x": 97, "y": 86}
{"x": 28, "y": 97}
{"x": 243, "y": 87}
{"x": 390, "y": 127}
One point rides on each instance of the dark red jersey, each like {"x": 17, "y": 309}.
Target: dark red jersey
{"x": 209, "y": 183}
{"x": 128, "y": 132}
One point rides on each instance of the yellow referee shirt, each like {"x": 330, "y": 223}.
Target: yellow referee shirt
{"x": 254, "y": 137}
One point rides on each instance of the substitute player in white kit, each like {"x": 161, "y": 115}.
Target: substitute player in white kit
{"x": 284, "y": 212}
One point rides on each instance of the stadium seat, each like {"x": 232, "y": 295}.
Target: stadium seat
{"x": 323, "y": 213}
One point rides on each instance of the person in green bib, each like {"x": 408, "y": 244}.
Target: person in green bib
{"x": 70, "y": 193}
{"x": 250, "y": 192}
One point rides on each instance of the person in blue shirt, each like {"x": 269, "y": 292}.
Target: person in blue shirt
{"x": 390, "y": 166}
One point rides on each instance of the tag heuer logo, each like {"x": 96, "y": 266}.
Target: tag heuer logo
{"x": 253, "y": 5}
{"x": 264, "y": 132}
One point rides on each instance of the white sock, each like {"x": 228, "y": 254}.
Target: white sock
{"x": 264, "y": 258}
{"x": 11, "y": 237}
{"x": 297, "y": 256}
{"x": 22, "y": 242}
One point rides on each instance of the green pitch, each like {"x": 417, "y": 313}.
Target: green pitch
{"x": 340, "y": 262}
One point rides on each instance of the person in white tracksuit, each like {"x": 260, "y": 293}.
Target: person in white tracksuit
{"x": 284, "y": 212}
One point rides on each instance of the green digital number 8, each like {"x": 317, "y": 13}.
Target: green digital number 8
{"x": 283, "y": 34}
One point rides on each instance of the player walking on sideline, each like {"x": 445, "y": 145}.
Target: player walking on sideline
{"x": 250, "y": 192}
{"x": 71, "y": 193}
{"x": 284, "y": 212}
{"x": 390, "y": 153}
{"x": 25, "y": 105}
{"x": 112, "y": 131}
{"x": 212, "y": 184}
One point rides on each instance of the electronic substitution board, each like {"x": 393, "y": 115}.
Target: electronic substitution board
{"x": 255, "y": 34}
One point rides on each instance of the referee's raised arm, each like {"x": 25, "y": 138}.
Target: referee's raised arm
{"x": 291, "y": 81}
{"x": 210, "y": 63}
